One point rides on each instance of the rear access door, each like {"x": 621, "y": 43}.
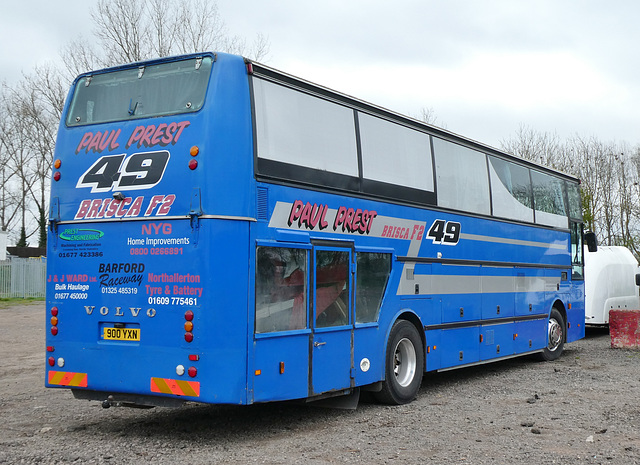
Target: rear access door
{"x": 332, "y": 319}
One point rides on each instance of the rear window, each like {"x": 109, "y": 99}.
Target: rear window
{"x": 142, "y": 92}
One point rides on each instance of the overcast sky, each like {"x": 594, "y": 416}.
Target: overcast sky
{"x": 485, "y": 67}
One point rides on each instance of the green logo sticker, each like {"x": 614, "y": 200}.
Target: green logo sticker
{"x": 75, "y": 234}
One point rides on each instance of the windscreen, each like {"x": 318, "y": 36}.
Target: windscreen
{"x": 141, "y": 92}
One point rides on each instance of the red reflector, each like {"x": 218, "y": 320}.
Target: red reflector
{"x": 188, "y": 315}
{"x": 194, "y": 357}
{"x": 192, "y": 371}
{"x": 54, "y": 311}
{"x": 193, "y": 164}
{"x": 52, "y": 361}
{"x": 56, "y": 176}
{"x": 187, "y": 336}
{"x": 54, "y": 330}
{"x": 50, "y": 349}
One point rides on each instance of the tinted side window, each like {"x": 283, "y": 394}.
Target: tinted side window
{"x": 462, "y": 180}
{"x": 548, "y": 196}
{"x": 301, "y": 129}
{"x": 395, "y": 154}
{"x": 332, "y": 288}
{"x": 372, "y": 271}
{"x": 510, "y": 190}
{"x": 577, "y": 260}
{"x": 575, "y": 203}
{"x": 281, "y": 289}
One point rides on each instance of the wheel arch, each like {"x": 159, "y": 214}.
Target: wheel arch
{"x": 410, "y": 316}
{"x": 404, "y": 361}
{"x": 559, "y": 305}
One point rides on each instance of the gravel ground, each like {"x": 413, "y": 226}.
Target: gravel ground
{"x": 581, "y": 408}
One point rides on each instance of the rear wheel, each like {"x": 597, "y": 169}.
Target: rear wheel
{"x": 404, "y": 365}
{"x": 555, "y": 336}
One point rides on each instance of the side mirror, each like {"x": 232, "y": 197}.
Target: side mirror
{"x": 591, "y": 241}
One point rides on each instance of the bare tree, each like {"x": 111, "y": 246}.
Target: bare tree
{"x": 540, "y": 147}
{"x": 78, "y": 57}
{"x": 47, "y": 83}
{"x": 14, "y": 137}
{"x": 428, "y": 115}
{"x": 610, "y": 195}
{"x": 31, "y": 111}
{"x": 588, "y": 159}
{"x": 634, "y": 201}
{"x": 603, "y": 169}
{"x": 201, "y": 28}
{"x": 609, "y": 175}
{"x": 133, "y": 30}
{"x": 42, "y": 98}
{"x": 125, "y": 31}
{"x": 164, "y": 31}
{"x": 9, "y": 196}
{"x": 121, "y": 29}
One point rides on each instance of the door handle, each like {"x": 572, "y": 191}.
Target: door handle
{"x": 318, "y": 344}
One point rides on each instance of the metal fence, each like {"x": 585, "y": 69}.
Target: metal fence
{"x": 23, "y": 277}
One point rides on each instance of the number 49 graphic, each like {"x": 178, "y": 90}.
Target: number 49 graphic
{"x": 139, "y": 171}
{"x": 444, "y": 232}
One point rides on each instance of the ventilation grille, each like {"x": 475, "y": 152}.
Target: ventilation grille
{"x": 263, "y": 204}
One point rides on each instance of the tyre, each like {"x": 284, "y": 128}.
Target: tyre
{"x": 555, "y": 336}
{"x": 404, "y": 365}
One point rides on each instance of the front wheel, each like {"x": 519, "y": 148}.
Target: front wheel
{"x": 404, "y": 365}
{"x": 555, "y": 336}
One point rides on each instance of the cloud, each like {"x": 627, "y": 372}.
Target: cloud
{"x": 568, "y": 65}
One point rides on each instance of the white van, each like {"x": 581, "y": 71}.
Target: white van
{"x": 611, "y": 282}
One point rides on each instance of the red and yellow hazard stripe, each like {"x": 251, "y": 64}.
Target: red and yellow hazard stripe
{"x": 175, "y": 387}
{"x": 67, "y": 378}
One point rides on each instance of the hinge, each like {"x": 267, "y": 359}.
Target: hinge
{"x": 54, "y": 214}
{"x": 195, "y": 211}
{"x": 195, "y": 208}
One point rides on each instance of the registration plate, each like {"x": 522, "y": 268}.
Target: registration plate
{"x": 121, "y": 334}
